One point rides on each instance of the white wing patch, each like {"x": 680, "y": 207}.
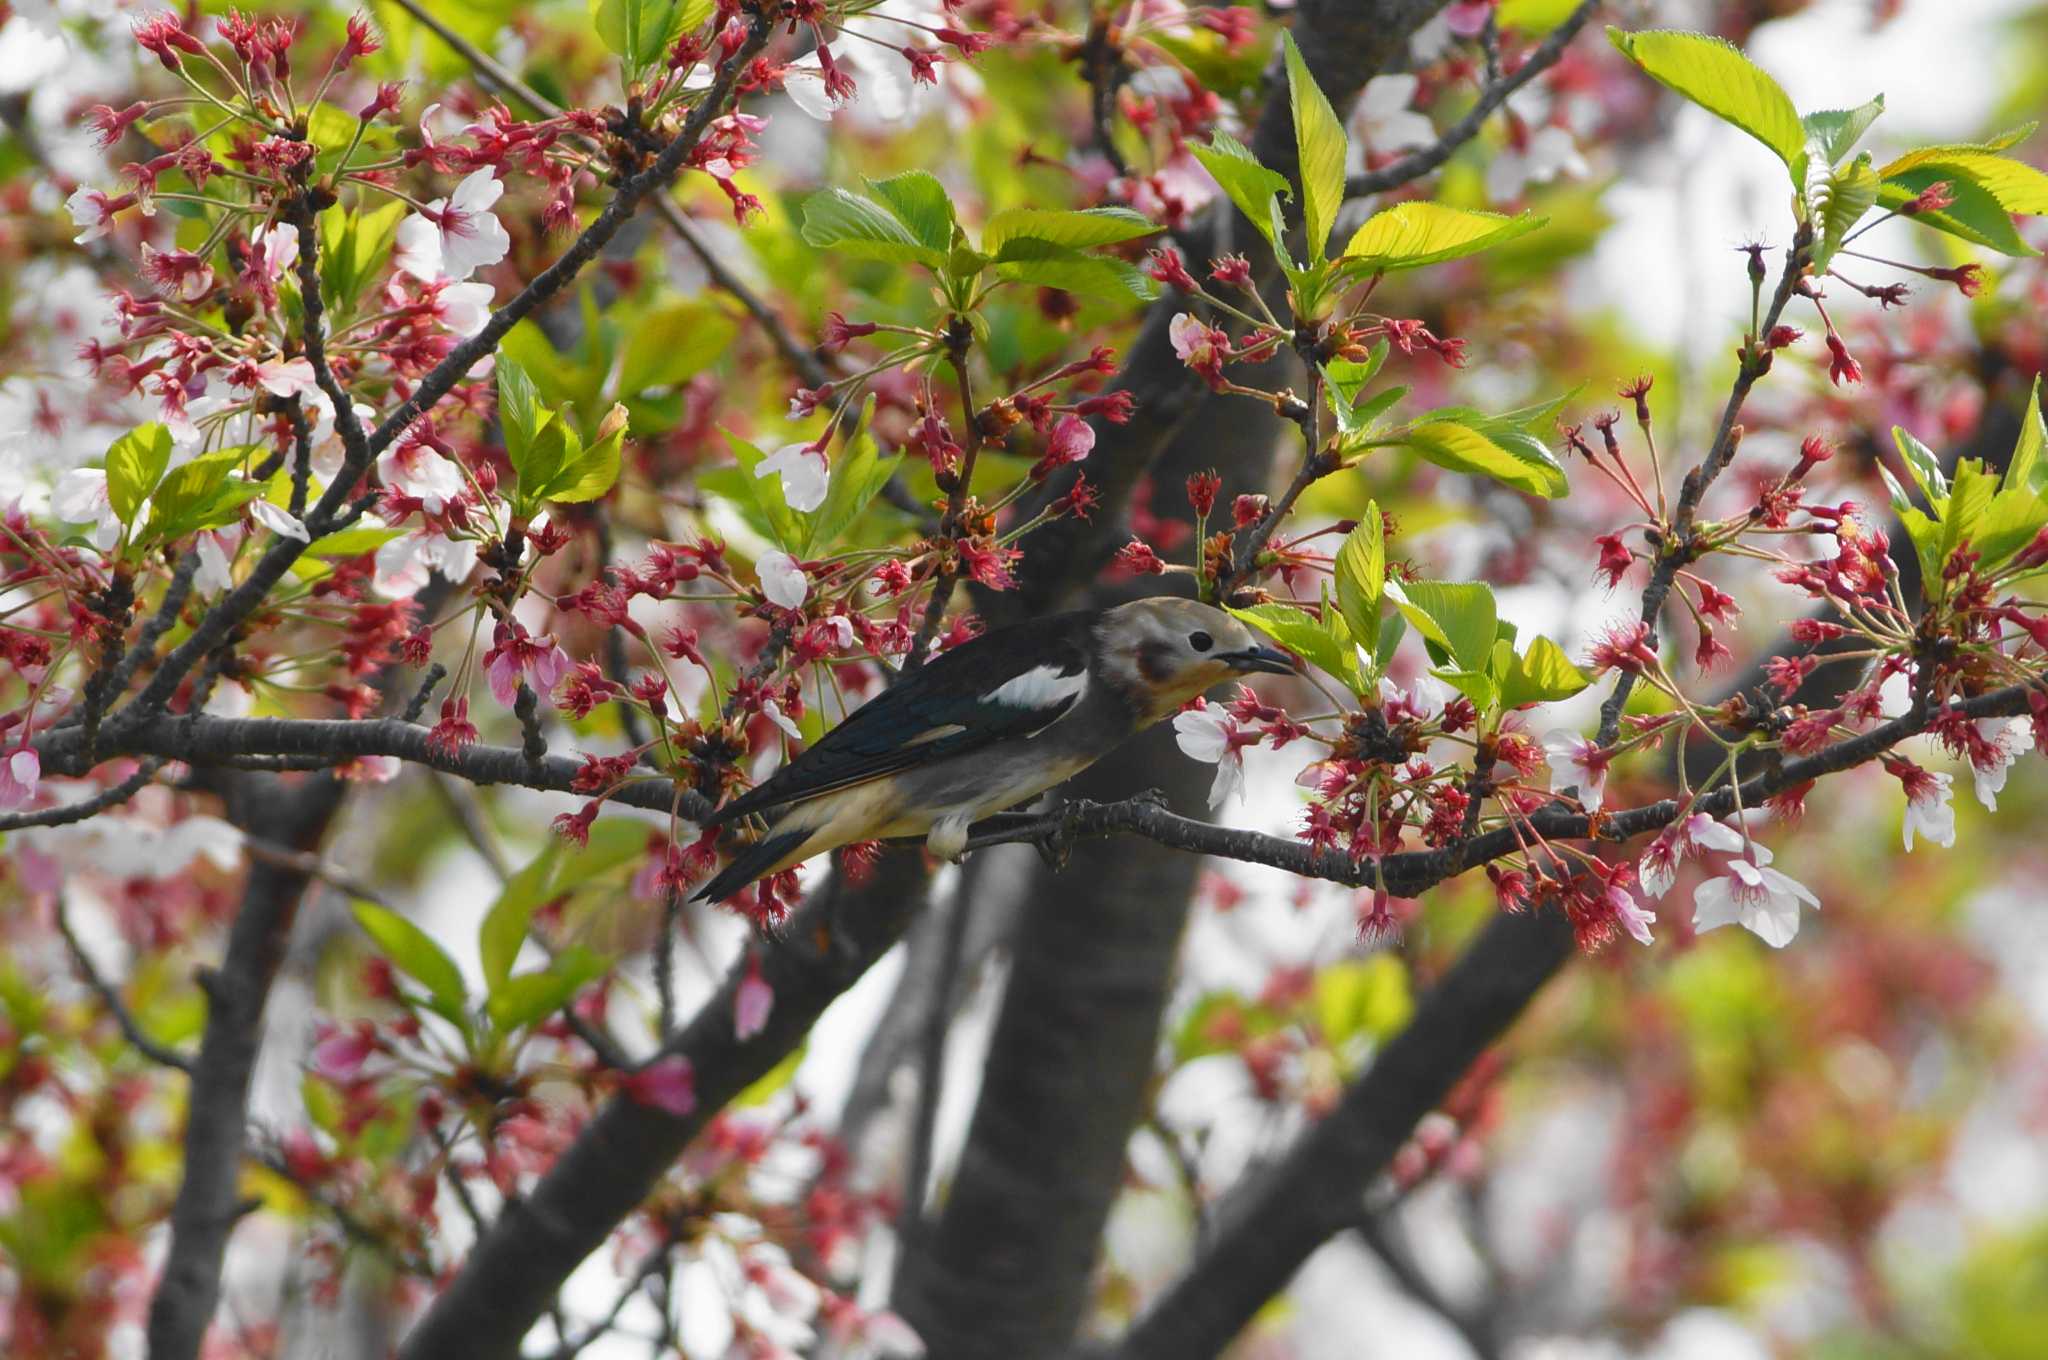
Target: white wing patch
{"x": 1039, "y": 687}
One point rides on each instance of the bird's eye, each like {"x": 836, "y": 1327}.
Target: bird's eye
{"x": 1201, "y": 642}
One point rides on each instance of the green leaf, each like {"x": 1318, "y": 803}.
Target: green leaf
{"x": 858, "y": 476}
{"x": 1837, "y": 131}
{"x": 1050, "y": 266}
{"x": 519, "y": 409}
{"x": 1925, "y": 536}
{"x": 669, "y": 345}
{"x": 504, "y": 926}
{"x": 785, "y": 525}
{"x": 353, "y": 248}
{"x": 1249, "y": 185}
{"x": 1541, "y": 674}
{"x": 516, "y": 1002}
{"x": 202, "y": 494}
{"x": 863, "y": 230}
{"x": 1507, "y": 455}
{"x": 641, "y": 31}
{"x": 1301, "y": 634}
{"x": 1368, "y": 997}
{"x": 1924, "y": 464}
{"x": 1970, "y": 497}
{"x": 1362, "y": 576}
{"x": 2025, "y": 468}
{"x": 1321, "y": 148}
{"x": 1091, "y": 227}
{"x": 351, "y": 542}
{"x": 1837, "y": 201}
{"x": 584, "y": 474}
{"x": 1974, "y": 215}
{"x": 2017, "y": 186}
{"x": 1477, "y": 686}
{"x": 1409, "y": 235}
{"x": 414, "y": 952}
{"x": 553, "y": 449}
{"x": 920, "y": 203}
{"x": 1458, "y": 616}
{"x": 1714, "y": 74}
{"x": 135, "y": 464}
{"x": 2008, "y": 524}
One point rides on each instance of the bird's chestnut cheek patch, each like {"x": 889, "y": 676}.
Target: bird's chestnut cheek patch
{"x": 1156, "y": 662}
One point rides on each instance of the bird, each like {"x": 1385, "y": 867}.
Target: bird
{"x": 987, "y": 725}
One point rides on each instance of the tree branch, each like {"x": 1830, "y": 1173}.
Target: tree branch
{"x": 111, "y": 999}
{"x": 216, "y": 1122}
{"x": 1419, "y": 163}
{"x": 1268, "y": 1228}
{"x": 515, "y": 1270}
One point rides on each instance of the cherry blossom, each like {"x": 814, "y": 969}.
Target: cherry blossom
{"x": 667, "y": 1084}
{"x": 418, "y": 471}
{"x": 1687, "y": 838}
{"x": 19, "y": 773}
{"x": 1383, "y": 120}
{"x": 752, "y": 1003}
{"x": 404, "y": 564}
{"x": 1576, "y": 761}
{"x": 1929, "y": 811}
{"x": 782, "y": 580}
{"x": 516, "y": 655}
{"x": 2005, "y": 741}
{"x": 278, "y": 520}
{"x": 81, "y": 497}
{"x": 1212, "y": 736}
{"x": 456, "y": 235}
{"x": 286, "y": 377}
{"x": 1760, "y": 899}
{"x": 804, "y": 473}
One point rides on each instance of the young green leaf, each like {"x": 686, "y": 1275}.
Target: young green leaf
{"x": 202, "y": 494}
{"x": 1321, "y": 148}
{"x": 671, "y": 344}
{"x": 2026, "y": 468}
{"x": 1028, "y": 260}
{"x": 785, "y": 525}
{"x": 1249, "y": 185}
{"x": 1541, "y": 674}
{"x": 1362, "y": 576}
{"x": 414, "y": 952}
{"x": 863, "y": 230}
{"x": 1409, "y": 235}
{"x": 1714, "y": 74}
{"x": 1091, "y": 227}
{"x": 1972, "y": 215}
{"x": 858, "y": 476}
{"x": 135, "y": 464}
{"x": 1837, "y": 201}
{"x": 587, "y": 473}
{"x": 1836, "y": 131}
{"x": 2017, "y": 186}
{"x": 1459, "y": 616}
{"x": 1299, "y": 633}
{"x": 514, "y": 1003}
{"x": 519, "y": 409}
{"x": 1507, "y": 455}
{"x": 1924, "y": 464}
{"x": 920, "y": 203}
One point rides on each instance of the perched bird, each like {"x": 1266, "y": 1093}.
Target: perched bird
{"x": 988, "y": 725}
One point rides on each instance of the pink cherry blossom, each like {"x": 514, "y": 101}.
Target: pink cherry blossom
{"x": 667, "y": 1084}
{"x": 517, "y": 654}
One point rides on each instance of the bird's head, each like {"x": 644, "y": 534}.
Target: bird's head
{"x": 1162, "y": 652}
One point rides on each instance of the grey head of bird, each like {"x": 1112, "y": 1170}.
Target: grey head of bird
{"x": 1163, "y": 651}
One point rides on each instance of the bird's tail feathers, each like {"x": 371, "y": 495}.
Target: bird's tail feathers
{"x": 756, "y": 861}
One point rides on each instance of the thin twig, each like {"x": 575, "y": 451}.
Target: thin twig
{"x": 131, "y": 1029}
{"x": 86, "y": 807}
{"x": 1419, "y": 163}
{"x": 799, "y": 358}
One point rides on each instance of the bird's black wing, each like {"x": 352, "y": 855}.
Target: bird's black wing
{"x": 1008, "y": 683}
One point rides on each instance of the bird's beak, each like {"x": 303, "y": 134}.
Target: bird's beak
{"x": 1270, "y": 659}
